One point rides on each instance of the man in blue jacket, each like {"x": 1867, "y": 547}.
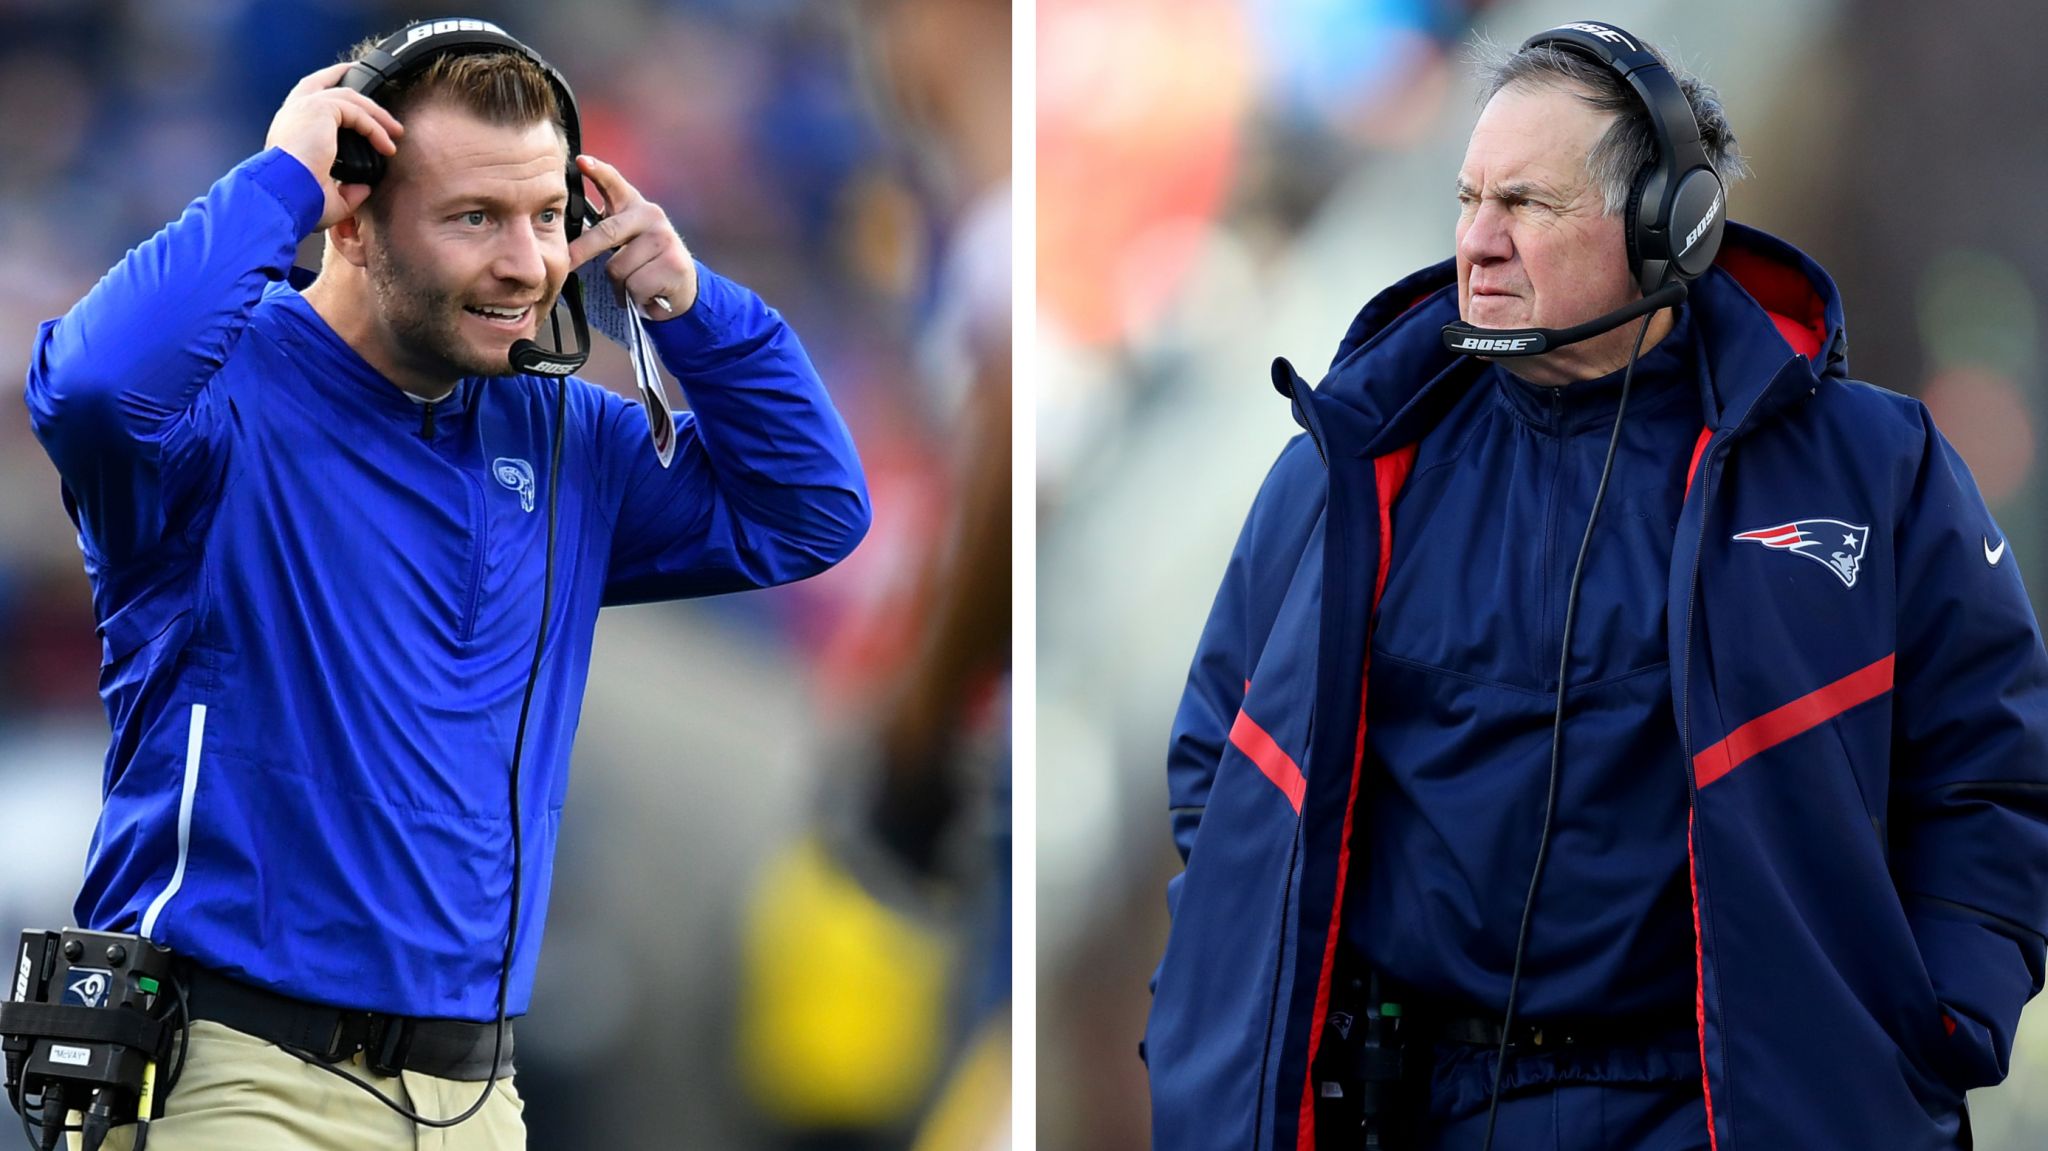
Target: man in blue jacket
{"x": 321, "y": 526}
{"x": 1793, "y": 839}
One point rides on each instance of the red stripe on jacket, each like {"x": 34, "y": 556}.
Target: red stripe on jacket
{"x": 1389, "y": 473}
{"x": 1272, "y": 759}
{"x": 1692, "y": 878}
{"x": 1699, "y": 448}
{"x": 1801, "y": 715}
{"x": 1699, "y": 984}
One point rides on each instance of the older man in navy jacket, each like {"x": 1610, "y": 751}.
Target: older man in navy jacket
{"x": 1794, "y": 839}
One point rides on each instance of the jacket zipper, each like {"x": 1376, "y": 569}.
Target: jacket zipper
{"x": 1289, "y": 940}
{"x": 1692, "y": 595}
{"x": 1281, "y": 962}
{"x": 480, "y": 537}
{"x": 465, "y": 627}
{"x": 1692, "y": 599}
{"x": 1280, "y": 965}
{"x": 1553, "y": 623}
{"x": 1692, "y": 785}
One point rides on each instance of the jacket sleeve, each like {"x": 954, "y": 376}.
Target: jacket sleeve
{"x": 1271, "y": 541}
{"x": 765, "y": 486}
{"x": 1970, "y": 764}
{"x": 116, "y": 386}
{"x": 1208, "y": 705}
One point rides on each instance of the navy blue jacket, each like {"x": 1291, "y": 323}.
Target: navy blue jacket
{"x": 318, "y": 605}
{"x": 1458, "y": 728}
{"x": 1865, "y": 739}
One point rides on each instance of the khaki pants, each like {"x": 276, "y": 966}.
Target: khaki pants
{"x": 240, "y": 1093}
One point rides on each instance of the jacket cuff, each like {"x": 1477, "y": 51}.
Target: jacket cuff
{"x": 717, "y": 318}
{"x": 293, "y": 185}
{"x": 1983, "y": 979}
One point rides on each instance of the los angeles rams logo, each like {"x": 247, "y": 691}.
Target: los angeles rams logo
{"x": 1834, "y": 544}
{"x": 88, "y": 987}
{"x": 515, "y": 474}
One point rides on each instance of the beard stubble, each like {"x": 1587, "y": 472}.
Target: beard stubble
{"x": 426, "y": 320}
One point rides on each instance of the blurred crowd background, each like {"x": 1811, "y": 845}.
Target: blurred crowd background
{"x": 1224, "y": 181}
{"x": 734, "y": 957}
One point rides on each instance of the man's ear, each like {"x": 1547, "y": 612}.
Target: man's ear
{"x": 347, "y": 237}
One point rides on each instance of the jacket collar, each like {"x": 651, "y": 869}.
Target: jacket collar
{"x": 335, "y": 369}
{"x": 1769, "y": 317}
{"x": 1666, "y": 373}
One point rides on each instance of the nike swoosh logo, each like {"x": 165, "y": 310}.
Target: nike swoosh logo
{"x": 1993, "y": 554}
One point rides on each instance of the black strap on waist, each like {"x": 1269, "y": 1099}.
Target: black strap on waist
{"x": 1485, "y": 1031}
{"x": 444, "y": 1048}
{"x": 85, "y": 1025}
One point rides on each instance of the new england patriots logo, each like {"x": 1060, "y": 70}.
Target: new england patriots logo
{"x": 1835, "y": 544}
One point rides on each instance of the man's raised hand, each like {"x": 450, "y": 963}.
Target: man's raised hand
{"x": 652, "y": 263}
{"x": 307, "y": 125}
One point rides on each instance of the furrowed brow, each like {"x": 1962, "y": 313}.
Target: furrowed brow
{"x": 1514, "y": 190}
{"x": 1528, "y": 190}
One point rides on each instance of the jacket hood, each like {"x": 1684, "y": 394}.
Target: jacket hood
{"x": 1763, "y": 309}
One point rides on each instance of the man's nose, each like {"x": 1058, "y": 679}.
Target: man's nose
{"x": 519, "y": 257}
{"x": 1486, "y": 239}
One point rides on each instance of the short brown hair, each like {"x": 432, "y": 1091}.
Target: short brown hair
{"x": 494, "y": 86}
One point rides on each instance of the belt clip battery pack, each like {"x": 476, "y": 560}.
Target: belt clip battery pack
{"x": 84, "y": 1031}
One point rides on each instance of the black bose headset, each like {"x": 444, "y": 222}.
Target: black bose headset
{"x": 1674, "y": 218}
{"x": 402, "y": 55}
{"x": 1675, "y": 211}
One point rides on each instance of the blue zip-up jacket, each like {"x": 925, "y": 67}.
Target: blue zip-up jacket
{"x": 318, "y": 599}
{"x": 1865, "y": 739}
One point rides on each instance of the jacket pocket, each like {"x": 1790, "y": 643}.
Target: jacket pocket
{"x": 133, "y": 645}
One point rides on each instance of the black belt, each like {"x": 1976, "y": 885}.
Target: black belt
{"x": 1485, "y": 1031}
{"x": 444, "y": 1048}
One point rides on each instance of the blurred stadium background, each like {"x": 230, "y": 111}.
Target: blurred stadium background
{"x": 707, "y": 981}
{"x": 1224, "y": 181}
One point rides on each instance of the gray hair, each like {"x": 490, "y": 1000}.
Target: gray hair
{"x": 1629, "y": 145}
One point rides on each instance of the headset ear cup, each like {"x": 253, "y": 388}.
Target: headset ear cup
{"x": 580, "y": 213}
{"x": 356, "y": 160}
{"x": 1632, "y": 222}
{"x": 1699, "y": 213}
